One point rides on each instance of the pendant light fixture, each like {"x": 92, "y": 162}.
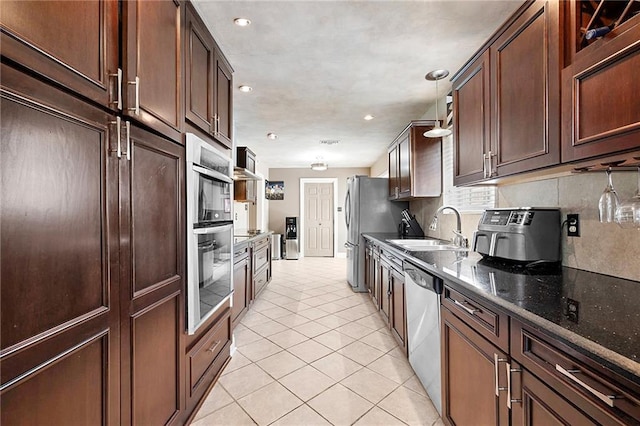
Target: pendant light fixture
{"x": 319, "y": 165}
{"x": 437, "y": 131}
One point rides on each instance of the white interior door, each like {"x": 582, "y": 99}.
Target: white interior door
{"x": 318, "y": 221}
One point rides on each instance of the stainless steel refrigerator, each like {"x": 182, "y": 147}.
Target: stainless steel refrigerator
{"x": 367, "y": 210}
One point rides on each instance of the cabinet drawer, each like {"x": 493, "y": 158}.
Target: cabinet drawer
{"x": 604, "y": 396}
{"x": 489, "y": 322}
{"x": 260, "y": 259}
{"x": 240, "y": 252}
{"x": 260, "y": 280}
{"x": 258, "y": 245}
{"x": 214, "y": 343}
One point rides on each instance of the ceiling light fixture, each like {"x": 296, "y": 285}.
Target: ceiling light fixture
{"x": 368, "y": 117}
{"x": 272, "y": 136}
{"x": 437, "y": 131}
{"x": 244, "y": 88}
{"x": 242, "y": 22}
{"x": 319, "y": 165}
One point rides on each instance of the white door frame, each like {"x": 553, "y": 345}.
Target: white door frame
{"x": 334, "y": 181}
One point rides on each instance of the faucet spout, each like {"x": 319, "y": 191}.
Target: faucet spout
{"x": 459, "y": 239}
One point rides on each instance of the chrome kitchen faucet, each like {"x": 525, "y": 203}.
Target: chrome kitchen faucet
{"x": 459, "y": 239}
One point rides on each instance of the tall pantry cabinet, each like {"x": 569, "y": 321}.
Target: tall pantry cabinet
{"x": 92, "y": 221}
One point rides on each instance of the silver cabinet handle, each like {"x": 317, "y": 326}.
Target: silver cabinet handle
{"x": 509, "y": 371}
{"x": 484, "y": 165}
{"x": 469, "y": 310}
{"x": 128, "y": 127}
{"x": 136, "y": 108}
{"x": 607, "y": 399}
{"x": 118, "y": 149}
{"x": 491, "y": 155}
{"x": 496, "y": 361}
{"x": 118, "y": 101}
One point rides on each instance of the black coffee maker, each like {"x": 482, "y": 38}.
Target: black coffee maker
{"x": 409, "y": 226}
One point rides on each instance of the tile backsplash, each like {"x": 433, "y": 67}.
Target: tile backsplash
{"x": 602, "y": 247}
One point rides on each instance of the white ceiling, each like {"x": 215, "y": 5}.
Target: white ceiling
{"x": 318, "y": 67}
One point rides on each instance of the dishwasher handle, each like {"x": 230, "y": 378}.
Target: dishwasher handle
{"x": 422, "y": 278}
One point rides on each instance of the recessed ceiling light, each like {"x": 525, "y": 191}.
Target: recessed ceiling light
{"x": 368, "y": 117}
{"x": 242, "y": 22}
{"x": 272, "y": 136}
{"x": 244, "y": 88}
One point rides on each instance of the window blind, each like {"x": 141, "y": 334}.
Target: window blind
{"x": 466, "y": 199}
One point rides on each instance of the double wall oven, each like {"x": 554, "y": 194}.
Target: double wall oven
{"x": 209, "y": 230}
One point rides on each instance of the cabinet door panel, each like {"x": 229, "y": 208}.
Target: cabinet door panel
{"x": 198, "y": 73}
{"x": 471, "y": 126}
{"x": 469, "y": 376}
{"x": 152, "y": 53}
{"x": 155, "y": 197}
{"x": 73, "y": 43}
{"x": 154, "y": 374}
{"x": 59, "y": 292}
{"x": 152, "y": 275}
{"x": 404, "y": 167}
{"x": 240, "y": 289}
{"x": 394, "y": 180}
{"x": 526, "y": 81}
{"x": 541, "y": 406}
{"x": 69, "y": 391}
{"x": 223, "y": 101}
{"x": 399, "y": 310}
{"x": 595, "y": 124}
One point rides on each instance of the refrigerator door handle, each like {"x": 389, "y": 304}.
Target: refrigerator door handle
{"x": 347, "y": 209}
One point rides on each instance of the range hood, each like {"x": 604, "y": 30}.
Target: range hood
{"x": 245, "y": 164}
{"x": 240, "y": 173}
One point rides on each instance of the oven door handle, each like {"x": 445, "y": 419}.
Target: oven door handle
{"x": 212, "y": 229}
{"x": 212, "y": 174}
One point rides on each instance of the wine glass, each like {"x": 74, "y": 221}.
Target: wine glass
{"x": 628, "y": 213}
{"x": 608, "y": 201}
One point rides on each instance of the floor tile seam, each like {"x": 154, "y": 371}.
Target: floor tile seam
{"x": 234, "y": 401}
{"x": 287, "y": 413}
{"x": 292, "y": 371}
{"x": 391, "y": 414}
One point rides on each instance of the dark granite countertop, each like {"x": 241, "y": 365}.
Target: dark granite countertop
{"x": 607, "y": 327}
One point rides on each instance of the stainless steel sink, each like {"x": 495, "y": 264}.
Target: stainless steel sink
{"x": 426, "y": 245}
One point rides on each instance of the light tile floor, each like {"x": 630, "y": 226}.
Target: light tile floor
{"x": 312, "y": 352}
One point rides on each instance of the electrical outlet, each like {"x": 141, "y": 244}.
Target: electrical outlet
{"x": 573, "y": 225}
{"x": 572, "y": 310}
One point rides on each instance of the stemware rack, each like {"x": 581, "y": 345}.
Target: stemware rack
{"x": 597, "y": 18}
{"x": 627, "y": 165}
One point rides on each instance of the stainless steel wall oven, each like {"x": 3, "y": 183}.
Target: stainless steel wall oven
{"x": 209, "y": 230}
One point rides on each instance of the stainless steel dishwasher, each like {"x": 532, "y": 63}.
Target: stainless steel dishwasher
{"x": 423, "y": 292}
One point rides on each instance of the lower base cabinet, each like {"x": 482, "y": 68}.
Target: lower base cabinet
{"x": 241, "y": 283}
{"x": 473, "y": 380}
{"x": 207, "y": 354}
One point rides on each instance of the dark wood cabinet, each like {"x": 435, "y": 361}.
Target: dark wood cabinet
{"x": 472, "y": 124}
{"x": 74, "y": 44}
{"x": 198, "y": 72}
{"x": 60, "y": 297}
{"x": 473, "y": 376}
{"x": 241, "y": 283}
{"x": 575, "y": 389}
{"x": 385, "y": 291}
{"x": 208, "y": 82}
{"x": 525, "y": 82}
{"x": 506, "y": 100}
{"x": 151, "y": 277}
{"x": 260, "y": 264}
{"x": 152, "y": 64}
{"x": 223, "y": 100}
{"x": 398, "y": 318}
{"x": 415, "y": 163}
{"x": 600, "y": 106}
{"x": 245, "y": 191}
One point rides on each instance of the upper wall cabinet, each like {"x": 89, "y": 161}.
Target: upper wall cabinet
{"x": 209, "y": 85}
{"x": 152, "y": 64}
{"x": 415, "y": 163}
{"x": 600, "y": 102}
{"x": 505, "y": 101}
{"x": 72, "y": 43}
